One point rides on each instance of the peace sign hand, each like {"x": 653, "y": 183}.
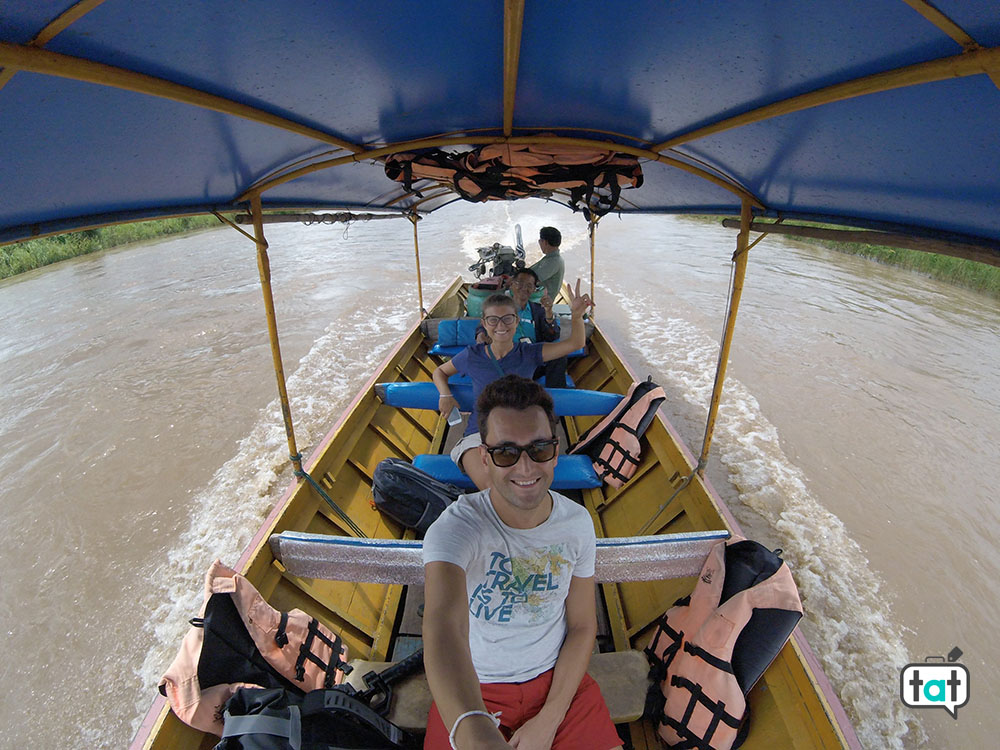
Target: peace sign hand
{"x": 578, "y": 303}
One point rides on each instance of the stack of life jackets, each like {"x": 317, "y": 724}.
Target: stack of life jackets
{"x": 710, "y": 648}
{"x": 505, "y": 171}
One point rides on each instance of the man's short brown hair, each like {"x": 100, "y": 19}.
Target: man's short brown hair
{"x": 513, "y": 392}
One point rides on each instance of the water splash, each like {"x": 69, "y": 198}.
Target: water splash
{"x": 847, "y": 620}
{"x": 226, "y": 514}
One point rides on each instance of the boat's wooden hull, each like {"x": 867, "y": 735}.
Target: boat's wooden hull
{"x": 789, "y": 708}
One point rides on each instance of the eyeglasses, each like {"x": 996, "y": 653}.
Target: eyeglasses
{"x": 529, "y": 284}
{"x": 509, "y": 454}
{"x": 492, "y": 320}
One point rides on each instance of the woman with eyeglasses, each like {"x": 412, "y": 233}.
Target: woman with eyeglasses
{"x": 536, "y": 323}
{"x": 484, "y": 363}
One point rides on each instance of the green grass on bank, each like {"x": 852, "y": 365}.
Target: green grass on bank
{"x": 968, "y": 273}
{"x": 25, "y": 256}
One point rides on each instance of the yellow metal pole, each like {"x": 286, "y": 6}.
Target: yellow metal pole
{"x": 416, "y": 251}
{"x": 740, "y": 259}
{"x": 46, "y": 62}
{"x": 513, "y": 20}
{"x": 56, "y": 27}
{"x": 975, "y": 62}
{"x": 593, "y": 243}
{"x": 264, "y": 267}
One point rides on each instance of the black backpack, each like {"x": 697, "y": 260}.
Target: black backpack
{"x": 276, "y": 719}
{"x": 410, "y": 496}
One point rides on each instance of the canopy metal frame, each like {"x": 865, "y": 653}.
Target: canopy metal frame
{"x": 974, "y": 59}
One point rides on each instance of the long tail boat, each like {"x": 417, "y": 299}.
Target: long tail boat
{"x": 876, "y": 121}
{"x": 792, "y": 705}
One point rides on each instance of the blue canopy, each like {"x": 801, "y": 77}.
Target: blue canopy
{"x": 882, "y": 113}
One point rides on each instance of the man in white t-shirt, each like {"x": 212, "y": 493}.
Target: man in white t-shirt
{"x": 509, "y": 612}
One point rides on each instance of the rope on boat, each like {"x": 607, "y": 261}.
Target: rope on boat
{"x": 303, "y": 474}
{"x": 663, "y": 506}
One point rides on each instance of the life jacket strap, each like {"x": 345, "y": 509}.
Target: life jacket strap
{"x": 615, "y": 464}
{"x": 290, "y": 728}
{"x": 708, "y": 657}
{"x": 306, "y": 654}
{"x": 682, "y": 726}
{"x": 662, "y": 662}
{"x": 281, "y": 637}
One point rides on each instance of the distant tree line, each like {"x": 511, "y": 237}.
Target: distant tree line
{"x": 30, "y": 254}
{"x": 968, "y": 273}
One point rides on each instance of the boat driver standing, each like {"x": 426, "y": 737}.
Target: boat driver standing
{"x": 509, "y": 612}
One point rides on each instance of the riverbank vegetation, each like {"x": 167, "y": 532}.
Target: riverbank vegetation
{"x": 25, "y": 256}
{"x": 968, "y": 273}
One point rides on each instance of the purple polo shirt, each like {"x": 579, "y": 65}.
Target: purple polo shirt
{"x": 476, "y": 362}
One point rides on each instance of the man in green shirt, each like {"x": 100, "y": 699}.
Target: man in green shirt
{"x": 551, "y": 267}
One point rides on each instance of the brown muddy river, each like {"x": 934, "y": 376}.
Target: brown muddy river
{"x": 140, "y": 439}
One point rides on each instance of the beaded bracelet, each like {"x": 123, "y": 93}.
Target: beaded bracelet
{"x": 451, "y": 736}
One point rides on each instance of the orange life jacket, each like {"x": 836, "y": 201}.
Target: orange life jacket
{"x": 295, "y": 646}
{"x": 713, "y": 646}
{"x": 594, "y": 178}
{"x": 613, "y": 443}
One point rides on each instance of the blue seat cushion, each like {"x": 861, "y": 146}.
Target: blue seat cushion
{"x": 567, "y": 402}
{"x": 458, "y": 332}
{"x": 571, "y": 473}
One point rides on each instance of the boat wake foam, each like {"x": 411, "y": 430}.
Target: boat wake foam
{"x": 847, "y": 620}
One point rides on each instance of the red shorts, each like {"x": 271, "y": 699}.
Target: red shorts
{"x": 587, "y": 725}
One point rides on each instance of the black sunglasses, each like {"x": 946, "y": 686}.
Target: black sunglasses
{"x": 509, "y": 454}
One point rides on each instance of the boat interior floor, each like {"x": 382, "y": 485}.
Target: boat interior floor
{"x": 623, "y": 677}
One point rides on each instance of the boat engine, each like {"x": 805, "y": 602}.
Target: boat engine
{"x": 497, "y": 260}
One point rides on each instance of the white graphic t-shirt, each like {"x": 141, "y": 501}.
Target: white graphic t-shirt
{"x": 517, "y": 580}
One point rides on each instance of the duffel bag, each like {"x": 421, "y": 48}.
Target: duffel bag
{"x": 410, "y": 496}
